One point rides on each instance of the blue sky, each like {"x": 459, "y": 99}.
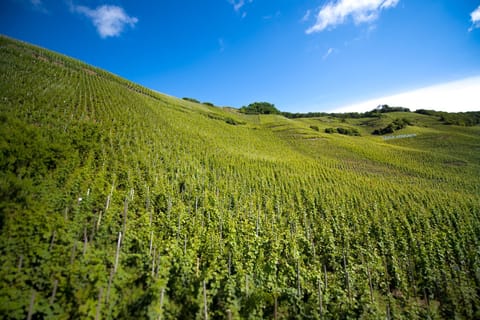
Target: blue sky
{"x": 315, "y": 55}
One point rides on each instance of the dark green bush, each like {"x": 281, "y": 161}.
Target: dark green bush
{"x": 344, "y": 131}
{"x": 397, "y": 124}
{"x": 191, "y": 100}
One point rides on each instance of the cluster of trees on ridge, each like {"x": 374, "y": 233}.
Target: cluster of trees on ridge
{"x": 375, "y": 113}
{"x": 260, "y": 108}
{"x": 471, "y": 118}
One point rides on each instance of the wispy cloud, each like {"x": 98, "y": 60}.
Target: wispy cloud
{"x": 239, "y": 4}
{"x": 109, "y": 20}
{"x": 221, "y": 44}
{"x": 455, "y": 96}
{"x": 335, "y": 13}
{"x": 328, "y": 53}
{"x": 306, "y": 16}
{"x": 38, "y": 6}
{"x": 475, "y": 18}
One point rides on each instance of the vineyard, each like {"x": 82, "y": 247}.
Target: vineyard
{"x": 118, "y": 202}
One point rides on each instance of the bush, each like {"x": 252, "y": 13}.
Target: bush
{"x": 397, "y": 124}
{"x": 314, "y": 128}
{"x": 344, "y": 131}
{"x": 191, "y": 100}
{"x": 232, "y": 121}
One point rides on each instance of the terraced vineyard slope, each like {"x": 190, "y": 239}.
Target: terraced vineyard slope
{"x": 117, "y": 202}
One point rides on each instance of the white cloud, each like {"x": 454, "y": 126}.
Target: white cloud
{"x": 361, "y": 11}
{"x": 475, "y": 18}
{"x": 109, "y": 20}
{"x": 456, "y": 96}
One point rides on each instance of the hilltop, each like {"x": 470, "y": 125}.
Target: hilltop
{"x": 118, "y": 202}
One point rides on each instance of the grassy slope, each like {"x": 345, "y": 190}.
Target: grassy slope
{"x": 261, "y": 212}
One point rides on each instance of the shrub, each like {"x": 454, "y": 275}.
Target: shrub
{"x": 397, "y": 124}
{"x": 344, "y": 131}
{"x": 191, "y": 100}
{"x": 231, "y": 121}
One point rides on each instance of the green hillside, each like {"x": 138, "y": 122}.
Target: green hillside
{"x": 118, "y": 202}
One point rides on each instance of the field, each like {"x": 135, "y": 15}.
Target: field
{"x": 118, "y": 202}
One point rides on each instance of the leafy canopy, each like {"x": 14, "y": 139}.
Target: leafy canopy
{"x": 260, "y": 108}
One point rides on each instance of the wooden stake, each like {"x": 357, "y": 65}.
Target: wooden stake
{"x": 370, "y": 284}
{"x": 118, "y": 252}
{"x": 74, "y": 248}
{"x": 185, "y": 246}
{"x": 30, "y": 307}
{"x": 52, "y": 241}
{"x": 107, "y": 297}
{"x": 151, "y": 242}
{"x": 347, "y": 278}
{"x": 388, "y": 311}
{"x": 150, "y": 218}
{"x": 108, "y": 203}
{"x": 20, "y": 262}
{"x": 54, "y": 291}
{"x": 299, "y": 291}
{"x": 198, "y": 266}
{"x": 85, "y": 241}
{"x": 326, "y": 276}
{"x": 320, "y": 298}
{"x": 125, "y": 210}
{"x": 153, "y": 261}
{"x": 99, "y": 305}
{"x": 229, "y": 263}
{"x": 275, "y": 308}
{"x": 205, "y": 300}
{"x": 162, "y": 293}
{"x": 99, "y": 220}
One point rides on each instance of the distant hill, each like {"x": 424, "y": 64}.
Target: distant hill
{"x": 118, "y": 202}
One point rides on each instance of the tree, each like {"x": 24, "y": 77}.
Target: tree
{"x": 260, "y": 108}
